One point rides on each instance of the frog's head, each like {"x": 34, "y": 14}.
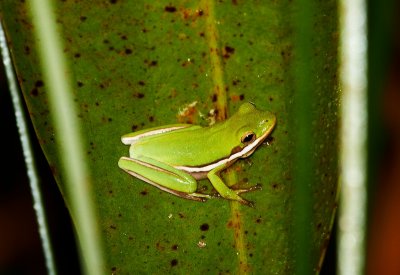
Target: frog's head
{"x": 252, "y": 127}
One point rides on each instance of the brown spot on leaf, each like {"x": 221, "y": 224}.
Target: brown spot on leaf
{"x": 170, "y": 9}
{"x": 187, "y": 62}
{"x": 138, "y": 95}
{"x": 228, "y": 51}
{"x": 235, "y": 82}
{"x": 235, "y": 98}
{"x": 204, "y": 227}
{"x": 159, "y": 246}
{"x": 174, "y": 262}
{"x": 39, "y": 84}
{"x": 34, "y": 92}
{"x": 152, "y": 63}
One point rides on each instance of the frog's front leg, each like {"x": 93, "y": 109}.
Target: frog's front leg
{"x": 162, "y": 176}
{"x": 225, "y": 191}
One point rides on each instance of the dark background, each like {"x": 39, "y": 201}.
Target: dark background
{"x": 20, "y": 245}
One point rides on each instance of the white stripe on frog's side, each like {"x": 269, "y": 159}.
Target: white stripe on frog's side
{"x": 246, "y": 151}
{"x": 131, "y": 140}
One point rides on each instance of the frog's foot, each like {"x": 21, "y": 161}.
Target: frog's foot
{"x": 250, "y": 189}
{"x": 245, "y": 190}
{"x": 239, "y": 198}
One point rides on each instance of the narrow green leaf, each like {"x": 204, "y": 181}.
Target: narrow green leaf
{"x": 304, "y": 160}
{"x": 69, "y": 142}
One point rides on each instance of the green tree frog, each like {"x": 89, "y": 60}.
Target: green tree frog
{"x": 173, "y": 157}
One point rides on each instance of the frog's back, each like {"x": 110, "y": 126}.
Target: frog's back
{"x": 191, "y": 148}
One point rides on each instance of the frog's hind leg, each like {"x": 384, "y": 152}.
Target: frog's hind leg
{"x": 163, "y": 177}
{"x": 184, "y": 195}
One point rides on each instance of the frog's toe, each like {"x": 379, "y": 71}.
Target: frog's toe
{"x": 247, "y": 203}
{"x": 252, "y": 188}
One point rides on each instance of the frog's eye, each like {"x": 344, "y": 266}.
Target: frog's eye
{"x": 248, "y": 137}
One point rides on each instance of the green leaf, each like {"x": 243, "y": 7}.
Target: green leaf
{"x": 138, "y": 64}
